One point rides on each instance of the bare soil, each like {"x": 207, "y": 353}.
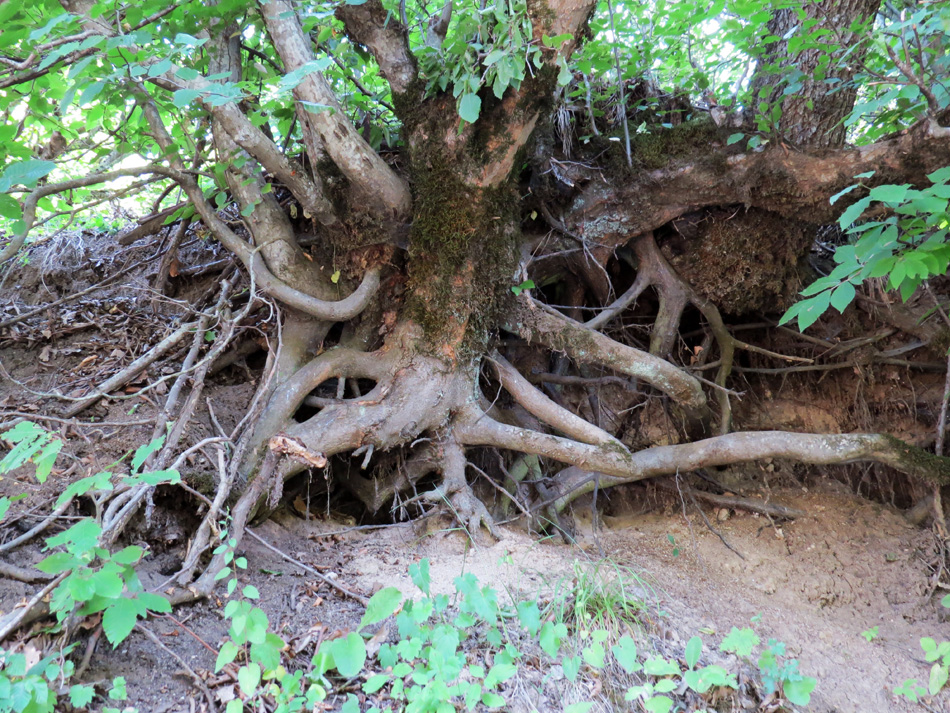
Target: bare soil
{"x": 815, "y": 584}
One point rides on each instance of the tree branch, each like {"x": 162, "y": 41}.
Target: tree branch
{"x": 370, "y": 24}
{"x": 383, "y": 190}
{"x": 336, "y": 311}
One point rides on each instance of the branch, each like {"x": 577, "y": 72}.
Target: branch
{"x": 370, "y": 24}
{"x": 308, "y": 191}
{"x": 30, "y": 74}
{"x": 336, "y": 311}
{"x": 343, "y": 144}
{"x": 792, "y": 184}
{"x": 29, "y": 206}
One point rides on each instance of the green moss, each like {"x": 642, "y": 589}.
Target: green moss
{"x": 655, "y": 149}
{"x": 462, "y": 253}
{"x": 919, "y": 463}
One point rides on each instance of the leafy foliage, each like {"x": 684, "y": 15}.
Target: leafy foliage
{"x": 91, "y": 578}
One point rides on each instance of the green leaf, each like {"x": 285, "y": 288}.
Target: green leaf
{"x": 380, "y": 606}
{"x": 81, "y": 696}
{"x": 156, "y": 477}
{"x": 846, "y": 191}
{"x": 853, "y": 212}
{"x": 938, "y": 678}
{"x": 734, "y": 139}
{"x": 941, "y": 175}
{"x": 492, "y": 700}
{"x": 842, "y": 296}
{"x": 571, "y": 666}
{"x": 889, "y": 193}
{"x": 740, "y": 642}
{"x": 580, "y": 707}
{"x": 594, "y": 655}
{"x": 26, "y": 173}
{"x": 551, "y": 637}
{"x": 157, "y": 603}
{"x": 658, "y": 704}
{"x": 419, "y": 573}
{"x": 128, "y": 555}
{"x": 625, "y": 651}
{"x": 9, "y": 207}
{"x": 250, "y": 592}
{"x": 375, "y": 682}
{"x": 812, "y": 309}
{"x": 658, "y": 666}
{"x": 799, "y": 692}
{"x": 249, "y": 676}
{"x": 108, "y": 584}
{"x": 470, "y": 106}
{"x": 227, "y": 654}
{"x": 143, "y": 452}
{"x": 530, "y": 616}
{"x": 119, "y": 619}
{"x": 349, "y": 654}
{"x": 118, "y": 691}
{"x": 82, "y": 536}
{"x": 694, "y": 649}
{"x": 184, "y": 98}
{"x": 58, "y": 562}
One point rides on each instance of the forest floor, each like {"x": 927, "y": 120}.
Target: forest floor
{"x": 815, "y": 584}
{"x": 849, "y": 565}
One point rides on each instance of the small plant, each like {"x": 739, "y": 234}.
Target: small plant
{"x": 260, "y": 674}
{"x": 92, "y": 580}
{"x": 939, "y": 656}
{"x": 778, "y": 676}
{"x": 871, "y": 634}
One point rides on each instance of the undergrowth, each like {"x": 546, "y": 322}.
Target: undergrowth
{"x": 589, "y": 642}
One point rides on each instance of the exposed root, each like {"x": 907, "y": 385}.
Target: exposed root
{"x": 675, "y": 294}
{"x": 455, "y": 492}
{"x": 621, "y": 466}
{"x": 537, "y": 323}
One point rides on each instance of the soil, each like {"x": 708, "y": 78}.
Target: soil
{"x": 815, "y": 583}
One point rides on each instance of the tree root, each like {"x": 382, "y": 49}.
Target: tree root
{"x": 615, "y": 466}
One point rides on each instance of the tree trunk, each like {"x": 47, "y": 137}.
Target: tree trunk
{"x": 810, "y": 81}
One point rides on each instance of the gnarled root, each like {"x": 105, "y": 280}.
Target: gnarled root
{"x": 456, "y": 493}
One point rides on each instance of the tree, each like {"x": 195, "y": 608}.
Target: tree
{"x": 440, "y": 164}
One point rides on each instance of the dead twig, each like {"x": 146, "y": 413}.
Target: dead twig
{"x": 133, "y": 369}
{"x": 34, "y": 609}
{"x": 199, "y": 684}
{"x": 22, "y": 574}
{"x": 310, "y": 570}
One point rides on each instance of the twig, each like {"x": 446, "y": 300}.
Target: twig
{"x": 133, "y": 369}
{"x": 199, "y": 684}
{"x": 37, "y": 529}
{"x": 310, "y": 570}
{"x": 747, "y": 504}
{"x": 34, "y": 609}
{"x": 74, "y": 422}
{"x": 711, "y": 528}
{"x": 522, "y": 508}
{"x": 22, "y": 574}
